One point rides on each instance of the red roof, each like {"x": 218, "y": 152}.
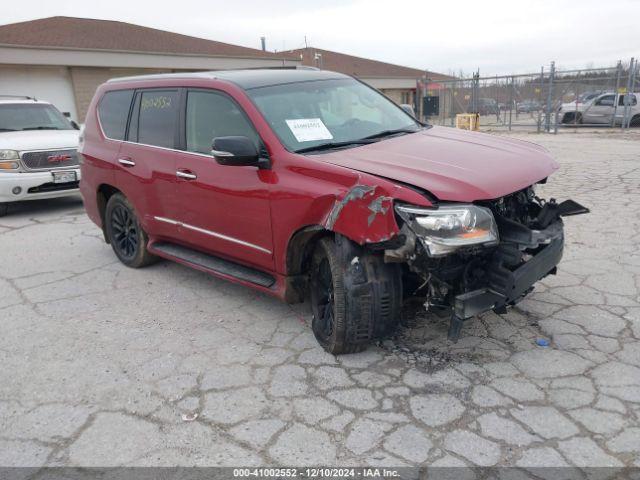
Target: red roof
{"x": 358, "y": 66}
{"x": 91, "y": 34}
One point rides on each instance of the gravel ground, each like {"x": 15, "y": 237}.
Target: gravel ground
{"x": 104, "y": 365}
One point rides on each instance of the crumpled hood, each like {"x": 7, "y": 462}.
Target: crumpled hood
{"x": 39, "y": 140}
{"x": 452, "y": 164}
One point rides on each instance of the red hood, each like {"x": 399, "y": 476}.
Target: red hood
{"x": 454, "y": 165}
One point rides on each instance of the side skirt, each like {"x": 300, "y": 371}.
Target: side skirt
{"x": 212, "y": 264}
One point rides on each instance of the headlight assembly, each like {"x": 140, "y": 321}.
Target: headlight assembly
{"x": 9, "y": 160}
{"x": 448, "y": 228}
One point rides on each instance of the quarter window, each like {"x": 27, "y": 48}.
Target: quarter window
{"x": 113, "y": 112}
{"x": 157, "y": 118}
{"x": 211, "y": 115}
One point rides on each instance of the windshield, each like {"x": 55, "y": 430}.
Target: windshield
{"x": 31, "y": 116}
{"x": 338, "y": 111}
{"x": 585, "y": 97}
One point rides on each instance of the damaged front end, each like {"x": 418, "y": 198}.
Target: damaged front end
{"x": 471, "y": 258}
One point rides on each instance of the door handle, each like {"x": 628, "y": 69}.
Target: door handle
{"x": 127, "y": 162}
{"x": 186, "y": 174}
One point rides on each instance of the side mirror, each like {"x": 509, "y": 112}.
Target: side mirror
{"x": 74, "y": 125}
{"x": 408, "y": 109}
{"x": 235, "y": 151}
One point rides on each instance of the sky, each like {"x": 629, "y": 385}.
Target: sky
{"x": 495, "y": 36}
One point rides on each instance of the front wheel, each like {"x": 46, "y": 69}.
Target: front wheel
{"x": 328, "y": 301}
{"x": 127, "y": 238}
{"x": 355, "y": 296}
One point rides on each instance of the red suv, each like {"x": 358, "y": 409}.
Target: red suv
{"x": 310, "y": 184}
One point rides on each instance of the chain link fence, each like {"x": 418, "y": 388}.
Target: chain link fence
{"x": 547, "y": 100}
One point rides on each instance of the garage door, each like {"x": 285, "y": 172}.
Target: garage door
{"x": 45, "y": 83}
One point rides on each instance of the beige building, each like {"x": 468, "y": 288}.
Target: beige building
{"x": 64, "y": 59}
{"x": 396, "y": 81}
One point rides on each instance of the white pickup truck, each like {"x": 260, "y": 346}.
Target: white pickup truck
{"x": 38, "y": 151}
{"x": 601, "y": 110}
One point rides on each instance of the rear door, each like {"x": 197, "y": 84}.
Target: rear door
{"x": 633, "y": 106}
{"x": 146, "y": 165}
{"x": 221, "y": 209}
{"x": 600, "y": 111}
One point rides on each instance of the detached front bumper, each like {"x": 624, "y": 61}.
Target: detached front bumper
{"x": 34, "y": 186}
{"x": 507, "y": 287}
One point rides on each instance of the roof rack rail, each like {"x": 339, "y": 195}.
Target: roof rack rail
{"x": 282, "y": 67}
{"x": 23, "y": 97}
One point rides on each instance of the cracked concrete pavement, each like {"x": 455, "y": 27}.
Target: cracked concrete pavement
{"x": 104, "y": 366}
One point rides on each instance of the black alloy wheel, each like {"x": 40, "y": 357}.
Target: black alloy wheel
{"x": 125, "y": 232}
{"x": 126, "y": 236}
{"x": 323, "y": 323}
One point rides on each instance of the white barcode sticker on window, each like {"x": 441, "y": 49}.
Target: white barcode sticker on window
{"x": 309, "y": 129}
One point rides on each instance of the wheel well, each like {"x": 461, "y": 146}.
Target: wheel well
{"x": 105, "y": 192}
{"x": 299, "y": 252}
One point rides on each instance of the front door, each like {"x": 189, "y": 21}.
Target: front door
{"x": 222, "y": 209}
{"x": 600, "y": 111}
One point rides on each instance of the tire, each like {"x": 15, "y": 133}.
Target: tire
{"x": 355, "y": 296}
{"x": 4, "y": 209}
{"x": 126, "y": 236}
{"x": 635, "y": 121}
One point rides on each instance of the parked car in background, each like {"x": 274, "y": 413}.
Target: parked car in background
{"x": 528, "y": 106}
{"x": 38, "y": 151}
{"x": 488, "y": 106}
{"x": 311, "y": 184}
{"x": 603, "y": 109}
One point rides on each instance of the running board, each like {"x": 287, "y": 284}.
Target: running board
{"x": 213, "y": 264}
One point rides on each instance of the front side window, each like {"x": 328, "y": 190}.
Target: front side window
{"x": 156, "y": 119}
{"x": 211, "y": 115}
{"x": 312, "y": 113}
{"x": 113, "y": 112}
{"x": 606, "y": 101}
{"x": 31, "y": 116}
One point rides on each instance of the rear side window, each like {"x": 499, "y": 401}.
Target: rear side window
{"x": 113, "y": 111}
{"x": 157, "y": 118}
{"x": 632, "y": 100}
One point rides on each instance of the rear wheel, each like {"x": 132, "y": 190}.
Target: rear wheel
{"x": 4, "y": 209}
{"x": 127, "y": 238}
{"x": 635, "y": 121}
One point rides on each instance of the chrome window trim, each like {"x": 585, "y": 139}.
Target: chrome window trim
{"x": 213, "y": 234}
{"x": 198, "y": 154}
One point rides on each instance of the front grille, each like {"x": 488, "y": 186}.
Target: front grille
{"x": 50, "y": 159}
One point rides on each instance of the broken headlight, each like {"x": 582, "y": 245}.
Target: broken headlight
{"x": 447, "y": 228}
